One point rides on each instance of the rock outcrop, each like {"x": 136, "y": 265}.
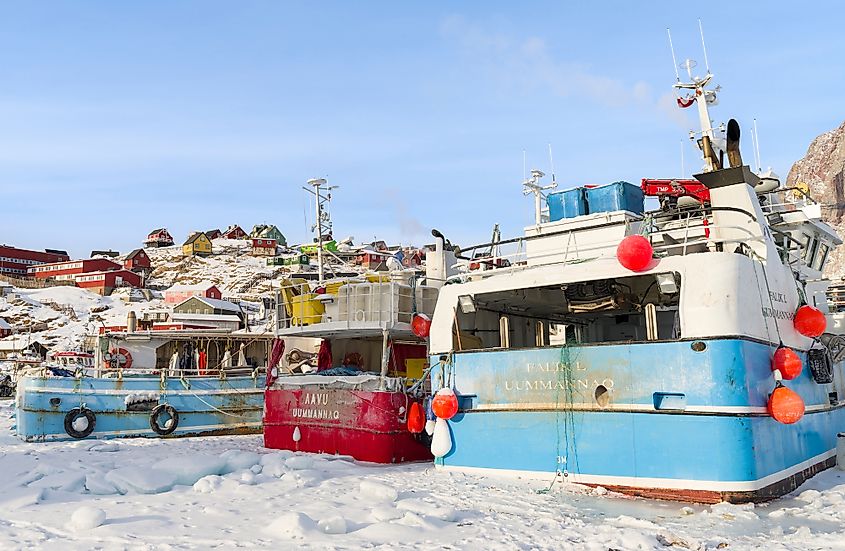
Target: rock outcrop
{"x": 823, "y": 170}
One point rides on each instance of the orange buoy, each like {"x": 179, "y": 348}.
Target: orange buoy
{"x": 421, "y": 325}
{"x": 416, "y": 419}
{"x": 785, "y": 405}
{"x": 809, "y": 321}
{"x": 635, "y": 252}
{"x": 444, "y": 404}
{"x": 787, "y": 362}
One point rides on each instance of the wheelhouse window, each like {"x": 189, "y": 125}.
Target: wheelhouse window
{"x": 821, "y": 258}
{"x": 630, "y": 309}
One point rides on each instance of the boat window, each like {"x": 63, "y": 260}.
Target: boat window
{"x": 821, "y": 258}
{"x": 810, "y": 251}
{"x": 630, "y": 309}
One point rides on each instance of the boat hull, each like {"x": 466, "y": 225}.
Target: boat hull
{"x": 366, "y": 425}
{"x": 122, "y": 407}
{"x": 652, "y": 419}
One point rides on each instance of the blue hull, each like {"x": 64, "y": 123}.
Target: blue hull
{"x": 209, "y": 406}
{"x": 652, "y": 418}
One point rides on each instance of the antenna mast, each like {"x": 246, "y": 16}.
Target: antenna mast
{"x": 757, "y": 148}
{"x": 532, "y": 185}
{"x": 323, "y": 223}
{"x": 552, "y": 165}
{"x": 674, "y": 61}
{"x": 703, "y": 47}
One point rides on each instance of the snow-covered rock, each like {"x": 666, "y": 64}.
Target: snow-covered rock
{"x": 87, "y": 518}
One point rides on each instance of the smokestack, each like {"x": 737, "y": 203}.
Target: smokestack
{"x": 734, "y": 158}
{"x": 131, "y": 322}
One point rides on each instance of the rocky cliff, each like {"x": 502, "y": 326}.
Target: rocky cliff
{"x": 823, "y": 170}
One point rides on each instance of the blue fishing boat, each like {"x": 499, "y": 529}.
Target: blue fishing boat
{"x": 680, "y": 353}
{"x": 151, "y": 384}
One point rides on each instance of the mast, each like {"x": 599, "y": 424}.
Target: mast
{"x": 532, "y": 185}
{"x": 323, "y": 223}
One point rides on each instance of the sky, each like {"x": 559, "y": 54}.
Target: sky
{"x": 120, "y": 117}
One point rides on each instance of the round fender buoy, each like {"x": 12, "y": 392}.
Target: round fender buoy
{"x": 444, "y": 404}
{"x": 785, "y": 405}
{"x": 787, "y": 362}
{"x": 421, "y": 325}
{"x": 635, "y": 252}
{"x": 809, "y": 321}
{"x": 416, "y": 419}
{"x": 169, "y": 425}
{"x": 80, "y": 422}
{"x": 441, "y": 440}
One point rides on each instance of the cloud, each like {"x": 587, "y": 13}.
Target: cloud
{"x": 527, "y": 63}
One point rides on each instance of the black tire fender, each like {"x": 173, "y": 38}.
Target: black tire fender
{"x": 156, "y": 413}
{"x": 75, "y": 414}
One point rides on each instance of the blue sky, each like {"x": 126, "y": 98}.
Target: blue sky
{"x": 119, "y": 117}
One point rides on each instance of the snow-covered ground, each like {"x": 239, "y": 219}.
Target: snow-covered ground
{"x": 229, "y": 492}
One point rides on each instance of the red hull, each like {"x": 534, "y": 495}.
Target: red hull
{"x": 366, "y": 425}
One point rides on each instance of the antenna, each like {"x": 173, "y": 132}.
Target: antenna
{"x": 552, "y": 164}
{"x": 703, "y": 46}
{"x": 757, "y": 148}
{"x": 524, "y": 169}
{"x": 674, "y": 60}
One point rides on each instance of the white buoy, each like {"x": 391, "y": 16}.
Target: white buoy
{"x": 840, "y": 451}
{"x": 441, "y": 440}
{"x": 429, "y": 427}
{"x": 297, "y": 436}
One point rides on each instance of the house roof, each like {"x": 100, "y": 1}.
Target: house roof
{"x": 194, "y": 236}
{"x": 205, "y": 317}
{"x": 5, "y": 325}
{"x": 157, "y": 230}
{"x": 214, "y": 303}
{"x": 134, "y": 253}
{"x": 18, "y": 344}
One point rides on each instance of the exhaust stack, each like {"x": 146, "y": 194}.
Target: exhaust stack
{"x": 734, "y": 157}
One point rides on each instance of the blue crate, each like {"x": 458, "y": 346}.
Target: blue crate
{"x": 567, "y": 204}
{"x": 615, "y": 196}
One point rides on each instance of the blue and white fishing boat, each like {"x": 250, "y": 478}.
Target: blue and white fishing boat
{"x": 151, "y": 384}
{"x": 659, "y": 380}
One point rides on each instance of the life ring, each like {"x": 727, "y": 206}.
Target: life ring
{"x": 75, "y": 415}
{"x": 169, "y": 426}
{"x": 118, "y": 358}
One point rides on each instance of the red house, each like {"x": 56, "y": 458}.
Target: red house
{"x": 213, "y": 234}
{"x": 104, "y": 283}
{"x": 5, "y": 328}
{"x": 234, "y": 232}
{"x": 15, "y": 262}
{"x": 69, "y": 270}
{"x": 263, "y": 247}
{"x": 137, "y": 261}
{"x": 159, "y": 238}
{"x": 180, "y": 293}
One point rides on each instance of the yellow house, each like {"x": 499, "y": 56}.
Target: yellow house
{"x": 197, "y": 244}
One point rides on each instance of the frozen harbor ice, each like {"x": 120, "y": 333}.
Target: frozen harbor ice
{"x": 229, "y": 493}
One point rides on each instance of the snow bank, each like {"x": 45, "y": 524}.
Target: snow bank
{"x": 377, "y": 492}
{"x": 87, "y": 518}
{"x": 141, "y": 480}
{"x": 188, "y": 470}
{"x": 291, "y": 525}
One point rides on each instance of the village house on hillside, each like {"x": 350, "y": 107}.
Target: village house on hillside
{"x": 5, "y": 329}
{"x": 159, "y": 238}
{"x": 264, "y": 231}
{"x": 67, "y": 271}
{"x": 178, "y": 293}
{"x": 208, "y": 311}
{"x": 234, "y": 232}
{"x": 197, "y": 244}
{"x": 107, "y": 254}
{"x": 103, "y": 283}
{"x": 138, "y": 261}
{"x": 15, "y": 262}
{"x": 213, "y": 234}
{"x": 263, "y": 247}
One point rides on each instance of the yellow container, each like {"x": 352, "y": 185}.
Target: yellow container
{"x": 306, "y": 309}
{"x": 377, "y": 278}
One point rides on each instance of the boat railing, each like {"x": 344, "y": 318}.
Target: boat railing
{"x": 679, "y": 236}
{"x": 353, "y": 303}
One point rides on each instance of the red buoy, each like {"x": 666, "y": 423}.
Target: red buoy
{"x": 785, "y": 405}
{"x": 421, "y": 325}
{"x": 634, "y": 252}
{"x": 416, "y": 418}
{"x": 809, "y": 321}
{"x": 445, "y": 403}
{"x": 787, "y": 362}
